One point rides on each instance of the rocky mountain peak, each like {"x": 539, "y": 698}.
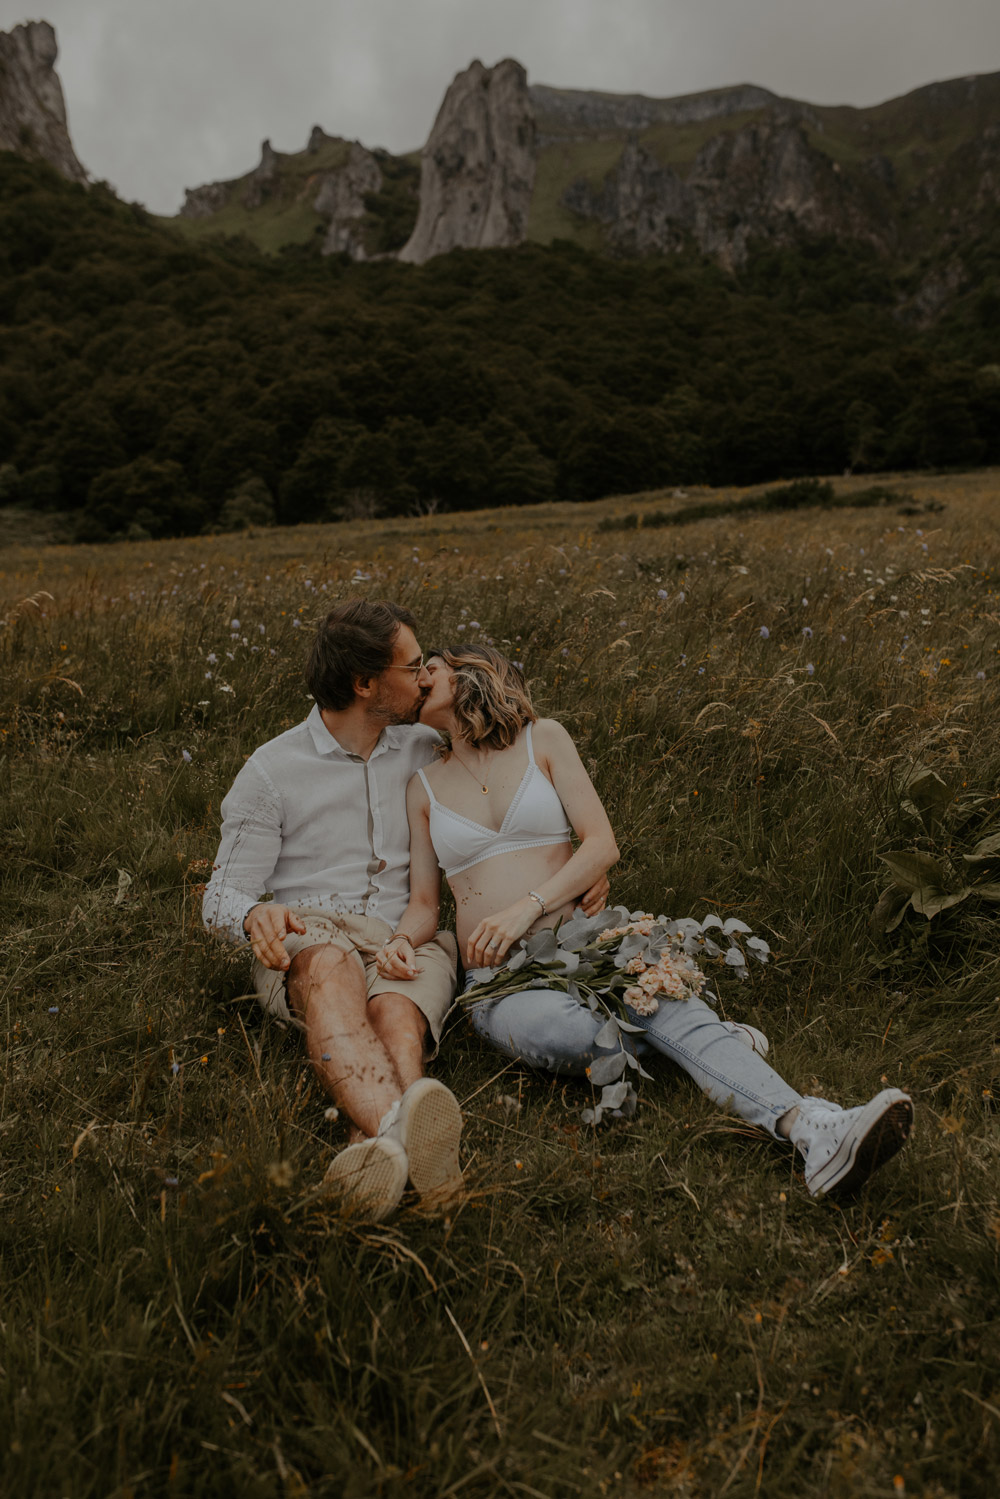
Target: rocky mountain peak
{"x": 477, "y": 170}
{"x": 32, "y": 107}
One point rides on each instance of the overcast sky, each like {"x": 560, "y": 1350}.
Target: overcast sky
{"x": 168, "y": 94}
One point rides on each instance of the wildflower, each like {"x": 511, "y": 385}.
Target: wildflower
{"x": 980, "y": 676}
{"x": 53, "y": 1009}
{"x": 211, "y": 658}
{"x": 234, "y": 624}
{"x": 765, "y": 633}
{"x": 805, "y": 603}
{"x": 296, "y": 624}
{"x": 186, "y": 756}
{"x": 208, "y": 676}
{"x": 810, "y": 668}
{"x": 263, "y": 628}
{"x": 474, "y": 624}
{"x": 807, "y": 632}
{"x": 175, "y": 1067}
{"x": 661, "y": 593}
{"x": 681, "y": 597}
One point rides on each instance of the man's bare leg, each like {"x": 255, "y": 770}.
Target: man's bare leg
{"x": 326, "y": 988}
{"x": 402, "y": 1030}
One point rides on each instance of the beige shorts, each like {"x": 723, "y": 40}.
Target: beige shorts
{"x": 432, "y": 991}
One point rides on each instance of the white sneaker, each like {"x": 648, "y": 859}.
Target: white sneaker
{"x": 428, "y": 1126}
{"x": 750, "y": 1036}
{"x": 842, "y": 1147}
{"x": 369, "y": 1178}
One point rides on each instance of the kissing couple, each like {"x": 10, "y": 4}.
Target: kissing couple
{"x": 334, "y": 838}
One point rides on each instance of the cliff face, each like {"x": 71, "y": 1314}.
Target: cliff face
{"x": 477, "y": 169}
{"x": 763, "y": 182}
{"x": 332, "y": 178}
{"x": 32, "y": 108}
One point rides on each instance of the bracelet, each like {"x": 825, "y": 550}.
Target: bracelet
{"x": 533, "y": 896}
{"x": 396, "y": 935}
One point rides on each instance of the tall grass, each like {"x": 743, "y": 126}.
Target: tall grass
{"x": 658, "y": 1307}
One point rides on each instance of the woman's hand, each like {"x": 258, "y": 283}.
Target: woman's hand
{"x": 491, "y": 940}
{"x": 396, "y": 959}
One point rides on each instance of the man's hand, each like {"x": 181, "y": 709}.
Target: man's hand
{"x": 267, "y": 925}
{"x": 596, "y": 898}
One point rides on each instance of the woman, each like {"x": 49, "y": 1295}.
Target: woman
{"x": 497, "y": 813}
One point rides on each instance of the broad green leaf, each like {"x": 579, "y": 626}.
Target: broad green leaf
{"x": 928, "y": 796}
{"x": 985, "y": 854}
{"x": 988, "y": 891}
{"x": 930, "y": 901}
{"x": 889, "y": 909}
{"x": 895, "y": 921}
{"x": 914, "y": 870}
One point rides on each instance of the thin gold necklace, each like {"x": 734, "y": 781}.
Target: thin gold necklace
{"x": 481, "y": 784}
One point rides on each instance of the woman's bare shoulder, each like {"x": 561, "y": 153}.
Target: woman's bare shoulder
{"x": 550, "y": 737}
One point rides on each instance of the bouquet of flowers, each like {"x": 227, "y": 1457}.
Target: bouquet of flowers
{"x": 622, "y": 964}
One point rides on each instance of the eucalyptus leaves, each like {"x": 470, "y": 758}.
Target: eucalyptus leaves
{"x": 621, "y": 964}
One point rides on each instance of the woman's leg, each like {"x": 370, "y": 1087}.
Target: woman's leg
{"x": 543, "y": 1028}
{"x": 692, "y": 1035}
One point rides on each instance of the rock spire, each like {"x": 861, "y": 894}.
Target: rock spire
{"x": 477, "y": 169}
{"x": 32, "y": 107}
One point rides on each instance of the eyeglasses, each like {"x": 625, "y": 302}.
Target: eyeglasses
{"x": 413, "y": 670}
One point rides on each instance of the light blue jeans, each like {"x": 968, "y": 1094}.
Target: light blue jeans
{"x": 545, "y": 1028}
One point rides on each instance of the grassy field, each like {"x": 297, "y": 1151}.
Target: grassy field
{"x": 657, "y": 1308}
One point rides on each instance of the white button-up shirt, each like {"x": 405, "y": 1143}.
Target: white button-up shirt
{"x": 311, "y": 824}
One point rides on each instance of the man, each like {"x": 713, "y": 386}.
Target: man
{"x": 317, "y": 818}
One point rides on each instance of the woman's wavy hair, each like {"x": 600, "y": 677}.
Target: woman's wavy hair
{"x": 492, "y": 704}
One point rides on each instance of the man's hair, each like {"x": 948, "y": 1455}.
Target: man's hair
{"x": 491, "y": 704}
{"x": 355, "y": 642}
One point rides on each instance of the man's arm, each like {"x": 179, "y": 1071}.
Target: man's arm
{"x": 247, "y": 856}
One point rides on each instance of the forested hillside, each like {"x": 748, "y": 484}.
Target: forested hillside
{"x": 151, "y": 386}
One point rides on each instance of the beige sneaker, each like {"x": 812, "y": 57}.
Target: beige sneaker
{"x": 368, "y": 1178}
{"x": 429, "y": 1126}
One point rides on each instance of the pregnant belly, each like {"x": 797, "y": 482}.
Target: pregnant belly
{"x": 497, "y": 883}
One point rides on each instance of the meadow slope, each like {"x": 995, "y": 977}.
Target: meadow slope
{"x": 655, "y": 1308}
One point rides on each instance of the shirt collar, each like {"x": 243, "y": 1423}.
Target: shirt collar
{"x": 391, "y": 737}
